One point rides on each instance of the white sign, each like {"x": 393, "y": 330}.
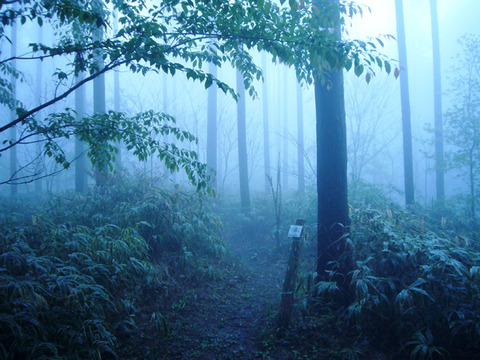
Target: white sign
{"x": 295, "y": 231}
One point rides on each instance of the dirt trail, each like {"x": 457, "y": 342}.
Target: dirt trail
{"x": 224, "y": 318}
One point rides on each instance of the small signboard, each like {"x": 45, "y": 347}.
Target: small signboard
{"x": 295, "y": 231}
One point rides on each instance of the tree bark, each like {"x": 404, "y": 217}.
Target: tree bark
{"x": 38, "y": 90}
{"x": 116, "y": 97}
{"x": 81, "y": 160}
{"x": 437, "y": 85}
{"x": 266, "y": 128}
{"x": 405, "y": 100}
{"x": 333, "y": 221}
{"x": 333, "y": 217}
{"x": 99, "y": 106}
{"x": 13, "y": 113}
{"x": 285, "y": 102}
{"x": 242, "y": 144}
{"x": 212, "y": 128}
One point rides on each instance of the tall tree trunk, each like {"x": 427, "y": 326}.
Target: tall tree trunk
{"x": 116, "y": 95}
{"x": 38, "y": 90}
{"x": 437, "y": 84}
{"x": 405, "y": 99}
{"x": 99, "y": 88}
{"x": 242, "y": 144}
{"x": 266, "y": 128}
{"x": 285, "y": 101}
{"x": 81, "y": 160}
{"x": 212, "y": 127}
{"x": 300, "y": 144}
{"x": 13, "y": 112}
{"x": 333, "y": 220}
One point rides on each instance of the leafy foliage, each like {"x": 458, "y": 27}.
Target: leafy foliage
{"x": 141, "y": 134}
{"x": 75, "y": 273}
{"x": 175, "y": 37}
{"x": 58, "y": 286}
{"x": 412, "y": 288}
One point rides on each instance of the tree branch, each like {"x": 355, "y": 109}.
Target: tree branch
{"x": 113, "y": 64}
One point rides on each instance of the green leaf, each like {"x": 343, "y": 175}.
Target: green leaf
{"x": 348, "y": 64}
{"x": 396, "y": 73}
{"x": 388, "y": 67}
{"x": 358, "y": 70}
{"x": 368, "y": 77}
{"x": 208, "y": 82}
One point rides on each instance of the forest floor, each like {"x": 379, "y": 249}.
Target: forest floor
{"x": 224, "y": 318}
{"x": 220, "y": 317}
{"x": 234, "y": 315}
{"x": 227, "y": 317}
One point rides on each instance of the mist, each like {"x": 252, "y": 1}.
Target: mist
{"x": 239, "y": 180}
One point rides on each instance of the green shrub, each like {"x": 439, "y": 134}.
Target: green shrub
{"x": 71, "y": 295}
{"x": 75, "y": 272}
{"x": 414, "y": 288}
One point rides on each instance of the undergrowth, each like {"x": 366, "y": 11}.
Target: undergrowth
{"x": 76, "y": 270}
{"x": 414, "y": 292}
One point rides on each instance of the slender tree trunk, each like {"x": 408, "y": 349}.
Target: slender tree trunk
{"x": 99, "y": 106}
{"x": 81, "y": 160}
{"x": 212, "y": 128}
{"x": 437, "y": 84}
{"x": 285, "y": 101}
{"x": 333, "y": 220}
{"x": 38, "y": 90}
{"x": 116, "y": 96}
{"x": 266, "y": 129}
{"x": 13, "y": 112}
{"x": 405, "y": 99}
{"x": 300, "y": 144}
{"x": 242, "y": 144}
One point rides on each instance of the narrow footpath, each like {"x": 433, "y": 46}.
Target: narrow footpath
{"x": 224, "y": 318}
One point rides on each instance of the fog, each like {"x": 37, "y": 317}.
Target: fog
{"x": 154, "y": 156}
{"x": 373, "y": 110}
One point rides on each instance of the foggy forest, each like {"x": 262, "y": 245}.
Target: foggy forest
{"x": 239, "y": 179}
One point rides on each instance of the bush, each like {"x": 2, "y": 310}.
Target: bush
{"x": 413, "y": 288}
{"x": 75, "y": 273}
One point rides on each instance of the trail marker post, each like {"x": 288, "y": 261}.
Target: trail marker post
{"x": 287, "y": 301}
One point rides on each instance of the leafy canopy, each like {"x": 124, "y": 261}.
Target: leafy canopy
{"x": 172, "y": 36}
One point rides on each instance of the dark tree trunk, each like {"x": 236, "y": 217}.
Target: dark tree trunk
{"x": 333, "y": 217}
{"x": 405, "y": 99}
{"x": 38, "y": 90}
{"x": 242, "y": 144}
{"x": 437, "y": 84}
{"x": 212, "y": 127}
{"x": 333, "y": 220}
{"x": 13, "y": 113}
{"x": 99, "y": 106}
{"x": 116, "y": 97}
{"x": 266, "y": 128}
{"x": 81, "y": 160}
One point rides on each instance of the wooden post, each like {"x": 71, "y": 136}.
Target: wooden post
{"x": 288, "y": 293}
